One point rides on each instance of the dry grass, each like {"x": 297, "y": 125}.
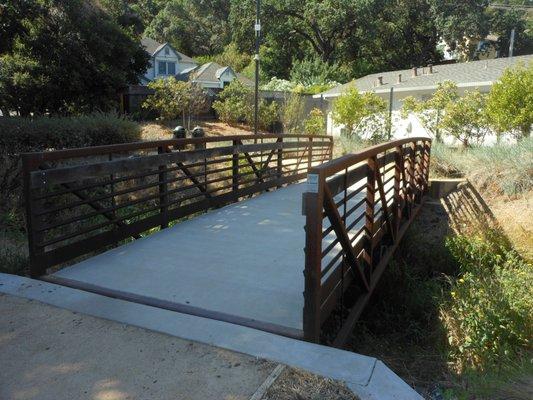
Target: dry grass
{"x": 161, "y": 131}
{"x": 516, "y": 216}
{"x": 295, "y": 384}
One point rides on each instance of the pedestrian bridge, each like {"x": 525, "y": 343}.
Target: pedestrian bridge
{"x": 263, "y": 231}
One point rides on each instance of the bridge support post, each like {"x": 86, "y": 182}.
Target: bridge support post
{"x": 313, "y": 209}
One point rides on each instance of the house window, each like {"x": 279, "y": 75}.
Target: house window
{"x": 167, "y": 51}
{"x": 171, "y": 68}
{"x": 162, "y": 68}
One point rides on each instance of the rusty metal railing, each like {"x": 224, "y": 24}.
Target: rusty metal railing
{"x": 357, "y": 208}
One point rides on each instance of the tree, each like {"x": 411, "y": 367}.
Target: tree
{"x": 465, "y": 119}
{"x": 510, "y": 102}
{"x": 173, "y": 98}
{"x": 362, "y": 114}
{"x": 69, "y": 57}
{"x": 193, "y": 27}
{"x": 430, "y": 112}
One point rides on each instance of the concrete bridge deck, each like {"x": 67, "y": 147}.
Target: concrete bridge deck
{"x": 241, "y": 263}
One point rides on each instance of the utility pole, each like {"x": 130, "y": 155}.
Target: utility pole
{"x": 511, "y": 43}
{"x": 389, "y": 122}
{"x": 257, "y": 28}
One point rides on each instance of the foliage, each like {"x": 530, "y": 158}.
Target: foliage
{"x": 193, "y": 27}
{"x": 488, "y": 315}
{"x": 20, "y": 135}
{"x": 510, "y": 101}
{"x": 362, "y": 114}
{"x": 430, "y": 111}
{"x": 315, "y": 123}
{"x": 234, "y": 103}
{"x": 173, "y": 98}
{"x": 465, "y": 118}
{"x": 279, "y": 85}
{"x": 502, "y": 168}
{"x": 229, "y": 57}
{"x": 268, "y": 115}
{"x": 292, "y": 115}
{"x": 311, "y": 72}
{"x": 64, "y": 57}
{"x": 284, "y": 85}
{"x": 463, "y": 23}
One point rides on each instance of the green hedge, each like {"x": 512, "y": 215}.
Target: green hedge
{"x": 20, "y": 135}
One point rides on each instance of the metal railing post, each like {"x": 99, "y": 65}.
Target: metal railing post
{"x": 369, "y": 217}
{"x": 36, "y": 252}
{"x": 163, "y": 188}
{"x": 313, "y": 208}
{"x": 235, "y": 169}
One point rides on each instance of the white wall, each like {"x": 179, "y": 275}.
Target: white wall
{"x": 152, "y": 71}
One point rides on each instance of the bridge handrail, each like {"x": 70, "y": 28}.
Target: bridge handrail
{"x": 80, "y": 201}
{"x": 350, "y": 233}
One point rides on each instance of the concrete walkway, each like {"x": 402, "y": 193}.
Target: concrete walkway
{"x": 367, "y": 377}
{"x": 47, "y": 353}
{"x": 245, "y": 260}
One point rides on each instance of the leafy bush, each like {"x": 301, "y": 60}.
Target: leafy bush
{"x": 429, "y": 111}
{"x": 510, "y": 101}
{"x": 488, "y": 315}
{"x": 465, "y": 118}
{"x": 173, "y": 99}
{"x": 20, "y": 135}
{"x": 235, "y": 104}
{"x": 268, "y": 115}
{"x": 315, "y": 123}
{"x": 362, "y": 114}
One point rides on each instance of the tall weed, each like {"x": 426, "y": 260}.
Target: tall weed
{"x": 488, "y": 313}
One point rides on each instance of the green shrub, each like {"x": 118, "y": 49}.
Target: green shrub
{"x": 234, "y": 103}
{"x": 488, "y": 314}
{"x": 315, "y": 123}
{"x": 268, "y": 115}
{"x": 20, "y": 135}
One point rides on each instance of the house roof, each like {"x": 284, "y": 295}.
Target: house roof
{"x": 211, "y": 72}
{"x": 153, "y": 47}
{"x": 473, "y": 73}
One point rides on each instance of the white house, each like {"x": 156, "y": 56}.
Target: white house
{"x": 421, "y": 84}
{"x": 165, "y": 61}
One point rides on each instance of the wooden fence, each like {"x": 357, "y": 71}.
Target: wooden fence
{"x": 81, "y": 201}
{"x": 357, "y": 208}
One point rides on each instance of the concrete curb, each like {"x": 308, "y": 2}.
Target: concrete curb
{"x": 367, "y": 377}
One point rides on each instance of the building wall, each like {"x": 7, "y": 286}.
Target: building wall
{"x": 153, "y": 71}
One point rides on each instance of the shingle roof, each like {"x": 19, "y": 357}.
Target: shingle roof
{"x": 211, "y": 72}
{"x": 474, "y": 72}
{"x": 152, "y": 47}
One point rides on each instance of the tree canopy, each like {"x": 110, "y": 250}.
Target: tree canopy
{"x": 64, "y": 56}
